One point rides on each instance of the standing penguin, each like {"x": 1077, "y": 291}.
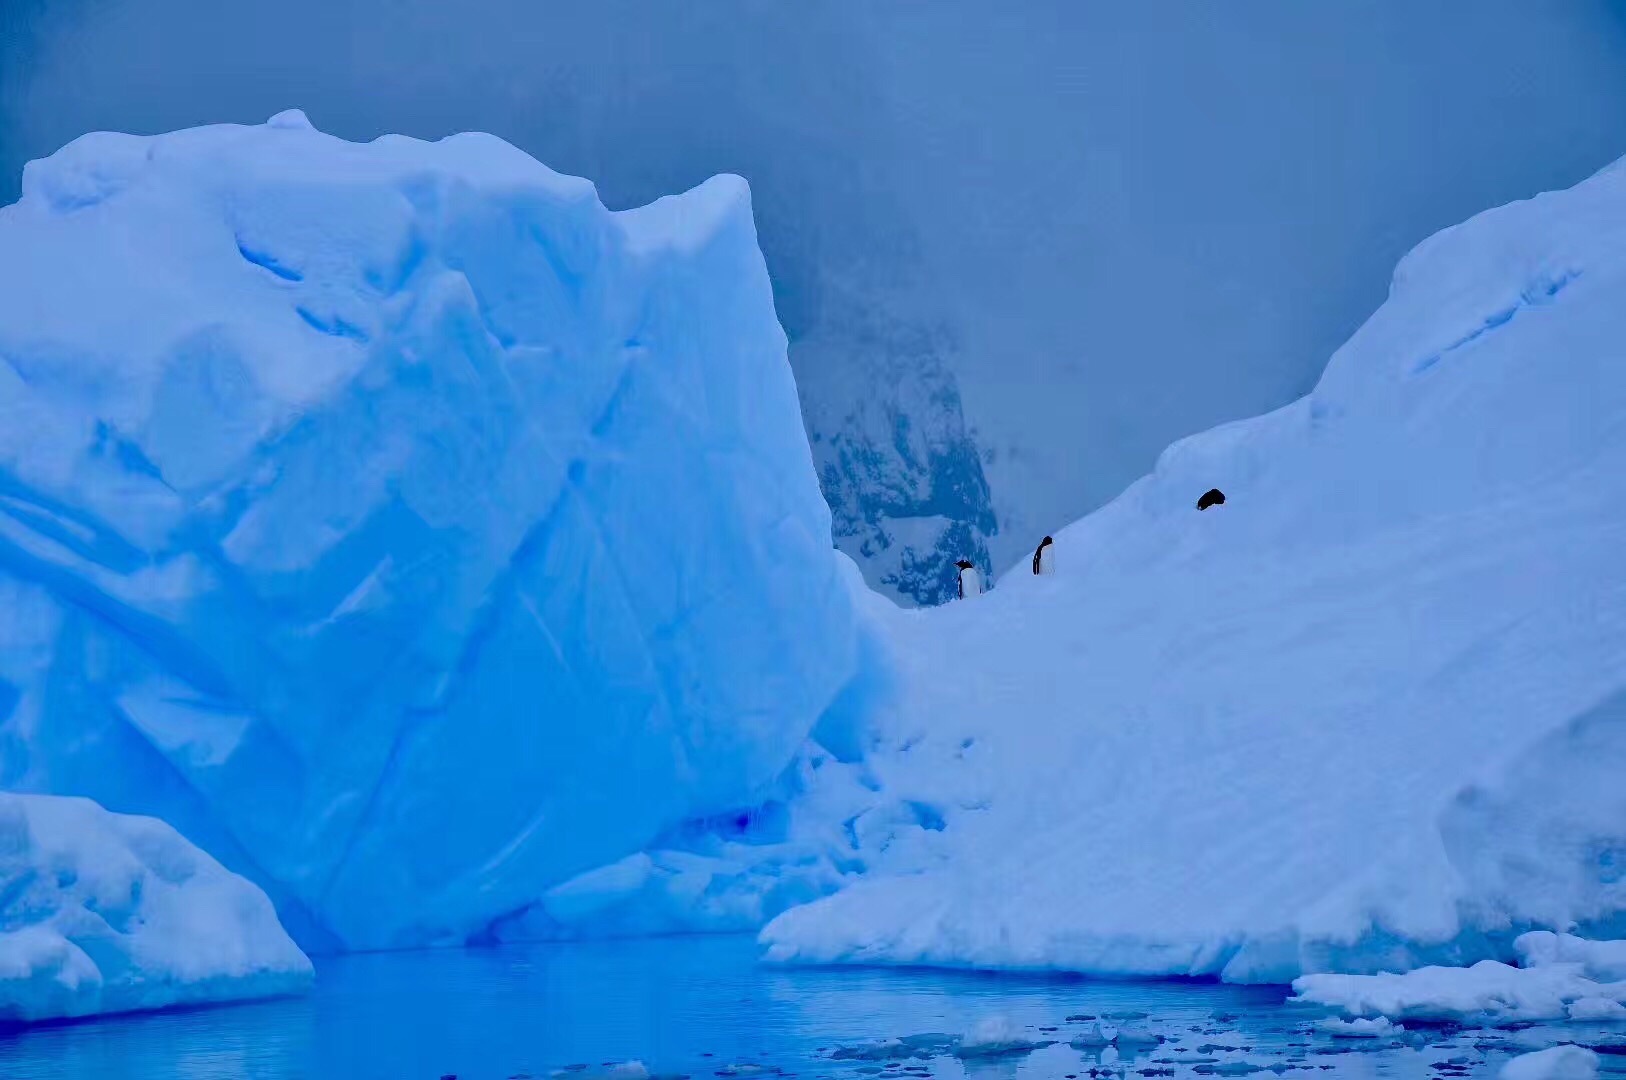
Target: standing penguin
{"x": 970, "y": 580}
{"x": 1044, "y": 560}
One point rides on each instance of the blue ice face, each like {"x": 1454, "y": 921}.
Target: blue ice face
{"x": 395, "y": 520}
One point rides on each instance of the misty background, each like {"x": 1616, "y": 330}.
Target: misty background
{"x": 1018, "y": 248}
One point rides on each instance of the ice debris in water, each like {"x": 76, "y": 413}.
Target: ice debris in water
{"x": 1092, "y": 1035}
{"x": 1552, "y": 989}
{"x": 995, "y": 1035}
{"x": 1360, "y": 1028}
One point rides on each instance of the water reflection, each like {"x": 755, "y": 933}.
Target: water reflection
{"x": 697, "y": 1006}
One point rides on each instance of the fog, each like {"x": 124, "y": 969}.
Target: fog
{"x": 1059, "y": 235}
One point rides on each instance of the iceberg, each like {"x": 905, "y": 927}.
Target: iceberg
{"x": 1367, "y": 715}
{"x": 103, "y": 912}
{"x": 401, "y": 525}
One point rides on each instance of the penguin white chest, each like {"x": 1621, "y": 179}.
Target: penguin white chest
{"x": 1047, "y": 559}
{"x": 970, "y": 582}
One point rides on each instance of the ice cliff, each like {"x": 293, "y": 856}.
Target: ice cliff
{"x": 405, "y": 528}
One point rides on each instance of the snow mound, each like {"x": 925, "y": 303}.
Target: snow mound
{"x": 1488, "y": 993}
{"x": 103, "y": 912}
{"x": 1556, "y": 1063}
{"x": 1367, "y": 715}
{"x": 1604, "y": 960}
{"x": 396, "y": 521}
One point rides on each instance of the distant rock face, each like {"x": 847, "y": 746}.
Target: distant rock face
{"x": 397, "y": 522}
{"x": 900, "y": 470}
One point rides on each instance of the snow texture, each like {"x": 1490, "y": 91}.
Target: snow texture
{"x": 1603, "y": 960}
{"x": 1561, "y": 977}
{"x": 1554, "y": 1063}
{"x": 400, "y": 524}
{"x": 1488, "y": 992}
{"x": 102, "y": 912}
{"x": 1368, "y": 715}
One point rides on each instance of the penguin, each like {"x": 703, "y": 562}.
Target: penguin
{"x": 1044, "y": 559}
{"x": 1211, "y": 497}
{"x": 970, "y": 580}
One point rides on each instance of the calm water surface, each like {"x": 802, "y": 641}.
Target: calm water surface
{"x": 704, "y": 1006}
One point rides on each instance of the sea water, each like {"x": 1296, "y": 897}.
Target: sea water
{"x": 707, "y": 1008}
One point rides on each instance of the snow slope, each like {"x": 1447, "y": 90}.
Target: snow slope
{"x": 101, "y": 912}
{"x": 404, "y": 527}
{"x": 1369, "y": 714}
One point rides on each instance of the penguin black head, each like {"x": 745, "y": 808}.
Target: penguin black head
{"x": 1211, "y": 497}
{"x": 964, "y": 564}
{"x": 1045, "y": 542}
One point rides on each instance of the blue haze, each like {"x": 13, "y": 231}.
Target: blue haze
{"x": 1018, "y": 251}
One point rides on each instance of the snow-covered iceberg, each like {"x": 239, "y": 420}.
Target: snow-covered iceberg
{"x": 1368, "y": 714}
{"x": 104, "y": 912}
{"x": 400, "y": 524}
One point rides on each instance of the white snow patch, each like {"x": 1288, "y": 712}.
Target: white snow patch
{"x": 1605, "y": 960}
{"x": 1488, "y": 992}
{"x": 103, "y": 912}
{"x": 1557, "y": 1063}
{"x": 1597, "y": 1009}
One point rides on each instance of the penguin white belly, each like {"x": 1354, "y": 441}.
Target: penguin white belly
{"x": 1047, "y": 561}
{"x": 970, "y": 583}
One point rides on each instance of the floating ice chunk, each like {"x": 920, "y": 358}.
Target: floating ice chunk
{"x": 1359, "y": 1028}
{"x": 1557, "y": 1063}
{"x": 1135, "y": 1033}
{"x": 885, "y": 1050}
{"x": 992, "y": 1036}
{"x": 1488, "y": 992}
{"x": 1092, "y": 1035}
